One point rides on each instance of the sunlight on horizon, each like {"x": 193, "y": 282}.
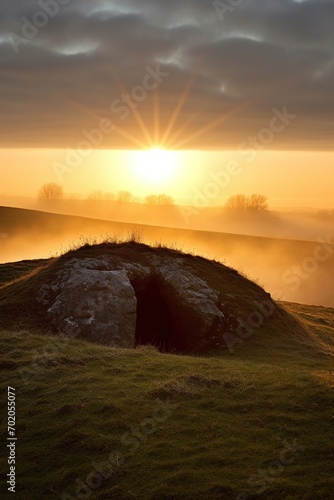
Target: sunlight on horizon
{"x": 155, "y": 166}
{"x": 182, "y": 174}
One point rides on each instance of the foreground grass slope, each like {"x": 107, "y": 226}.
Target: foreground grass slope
{"x": 183, "y": 427}
{"x": 97, "y": 422}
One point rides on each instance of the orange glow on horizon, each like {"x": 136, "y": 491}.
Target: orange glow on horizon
{"x": 289, "y": 179}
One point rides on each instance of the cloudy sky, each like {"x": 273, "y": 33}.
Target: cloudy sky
{"x": 192, "y": 74}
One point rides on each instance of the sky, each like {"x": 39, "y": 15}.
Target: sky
{"x": 251, "y": 80}
{"x": 273, "y": 173}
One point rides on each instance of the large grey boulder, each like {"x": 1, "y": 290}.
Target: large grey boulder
{"x": 91, "y": 304}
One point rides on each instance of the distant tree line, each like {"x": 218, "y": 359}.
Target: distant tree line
{"x": 242, "y": 202}
{"x": 159, "y": 199}
{"x": 52, "y": 192}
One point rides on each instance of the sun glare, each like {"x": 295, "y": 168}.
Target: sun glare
{"x": 155, "y": 166}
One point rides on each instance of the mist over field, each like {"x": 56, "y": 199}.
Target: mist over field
{"x": 299, "y": 224}
{"x": 290, "y": 254}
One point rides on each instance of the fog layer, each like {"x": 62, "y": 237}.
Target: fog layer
{"x": 290, "y": 269}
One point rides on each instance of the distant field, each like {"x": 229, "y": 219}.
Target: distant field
{"x": 286, "y": 268}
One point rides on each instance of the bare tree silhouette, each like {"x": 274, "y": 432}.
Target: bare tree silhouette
{"x": 51, "y": 191}
{"x": 159, "y": 199}
{"x": 237, "y": 201}
{"x": 125, "y": 197}
{"x": 258, "y": 201}
{"x": 99, "y": 195}
{"x": 241, "y": 201}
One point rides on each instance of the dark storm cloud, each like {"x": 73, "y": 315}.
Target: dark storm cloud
{"x": 232, "y": 65}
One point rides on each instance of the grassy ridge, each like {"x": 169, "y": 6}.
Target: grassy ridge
{"x": 227, "y": 418}
{"x": 32, "y": 234}
{"x": 19, "y": 306}
{"x": 15, "y": 270}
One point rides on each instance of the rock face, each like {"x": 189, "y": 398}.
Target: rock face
{"x": 196, "y": 310}
{"x": 94, "y": 304}
{"x": 121, "y": 302}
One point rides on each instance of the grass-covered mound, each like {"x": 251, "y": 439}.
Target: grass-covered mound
{"x": 96, "y": 422}
{"x": 99, "y": 422}
{"x": 250, "y": 307}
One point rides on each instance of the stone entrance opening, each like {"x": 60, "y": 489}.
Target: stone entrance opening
{"x": 154, "y": 325}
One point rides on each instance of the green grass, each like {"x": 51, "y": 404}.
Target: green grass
{"x": 229, "y": 417}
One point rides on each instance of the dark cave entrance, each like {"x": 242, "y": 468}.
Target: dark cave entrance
{"x": 154, "y": 325}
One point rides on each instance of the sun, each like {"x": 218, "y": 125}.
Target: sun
{"x": 155, "y": 166}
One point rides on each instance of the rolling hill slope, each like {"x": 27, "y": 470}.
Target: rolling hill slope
{"x": 296, "y": 271}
